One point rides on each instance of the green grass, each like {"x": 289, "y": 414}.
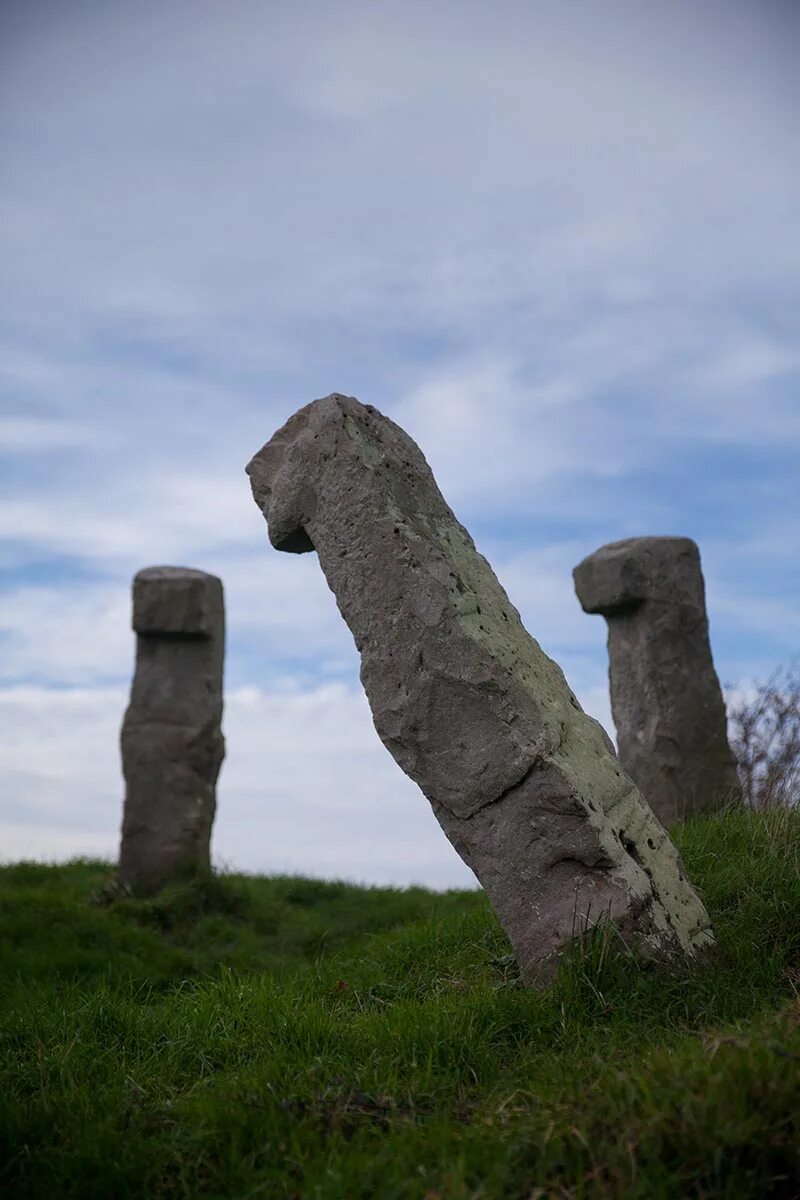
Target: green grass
{"x": 283, "y": 1037}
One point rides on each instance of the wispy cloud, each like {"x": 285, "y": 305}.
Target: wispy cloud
{"x": 564, "y": 253}
{"x": 306, "y": 786}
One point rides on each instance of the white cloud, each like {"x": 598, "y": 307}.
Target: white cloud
{"x": 564, "y": 253}
{"x": 38, "y": 434}
{"x": 373, "y": 165}
{"x": 306, "y": 785}
{"x": 278, "y": 609}
{"x": 765, "y": 613}
{"x": 68, "y": 634}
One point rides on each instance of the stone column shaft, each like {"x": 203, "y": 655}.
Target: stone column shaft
{"x": 665, "y": 695}
{"x": 172, "y": 744}
{"x": 525, "y": 785}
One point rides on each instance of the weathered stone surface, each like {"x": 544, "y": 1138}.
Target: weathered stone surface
{"x": 665, "y": 694}
{"x": 523, "y": 782}
{"x": 172, "y": 745}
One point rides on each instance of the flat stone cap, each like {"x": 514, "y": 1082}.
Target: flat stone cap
{"x": 620, "y": 575}
{"x": 177, "y": 601}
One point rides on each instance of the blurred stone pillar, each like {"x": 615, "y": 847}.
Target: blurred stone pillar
{"x": 665, "y": 695}
{"x": 172, "y": 744}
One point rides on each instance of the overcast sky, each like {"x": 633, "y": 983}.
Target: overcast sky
{"x": 558, "y": 242}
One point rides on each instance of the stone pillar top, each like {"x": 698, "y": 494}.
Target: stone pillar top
{"x": 618, "y": 577}
{"x": 178, "y": 602}
{"x": 665, "y": 694}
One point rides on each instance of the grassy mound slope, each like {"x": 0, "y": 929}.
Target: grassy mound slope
{"x": 289, "y": 1038}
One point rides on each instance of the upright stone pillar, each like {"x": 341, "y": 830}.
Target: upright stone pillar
{"x": 525, "y": 785}
{"x": 172, "y": 744}
{"x": 665, "y": 694}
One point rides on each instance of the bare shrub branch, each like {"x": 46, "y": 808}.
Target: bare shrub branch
{"x": 764, "y": 732}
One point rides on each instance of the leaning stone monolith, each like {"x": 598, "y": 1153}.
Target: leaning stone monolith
{"x": 525, "y": 785}
{"x": 172, "y": 744}
{"x": 665, "y": 695}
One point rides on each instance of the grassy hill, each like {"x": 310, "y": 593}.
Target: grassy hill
{"x": 282, "y": 1037}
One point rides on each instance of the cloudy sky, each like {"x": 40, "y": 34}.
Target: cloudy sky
{"x": 558, "y": 242}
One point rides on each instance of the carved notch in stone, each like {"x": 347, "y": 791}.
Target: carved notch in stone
{"x": 172, "y": 744}
{"x": 665, "y": 694}
{"x": 523, "y": 782}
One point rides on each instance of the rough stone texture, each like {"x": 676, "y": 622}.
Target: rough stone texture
{"x": 172, "y": 745}
{"x": 525, "y": 785}
{"x": 665, "y": 694}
